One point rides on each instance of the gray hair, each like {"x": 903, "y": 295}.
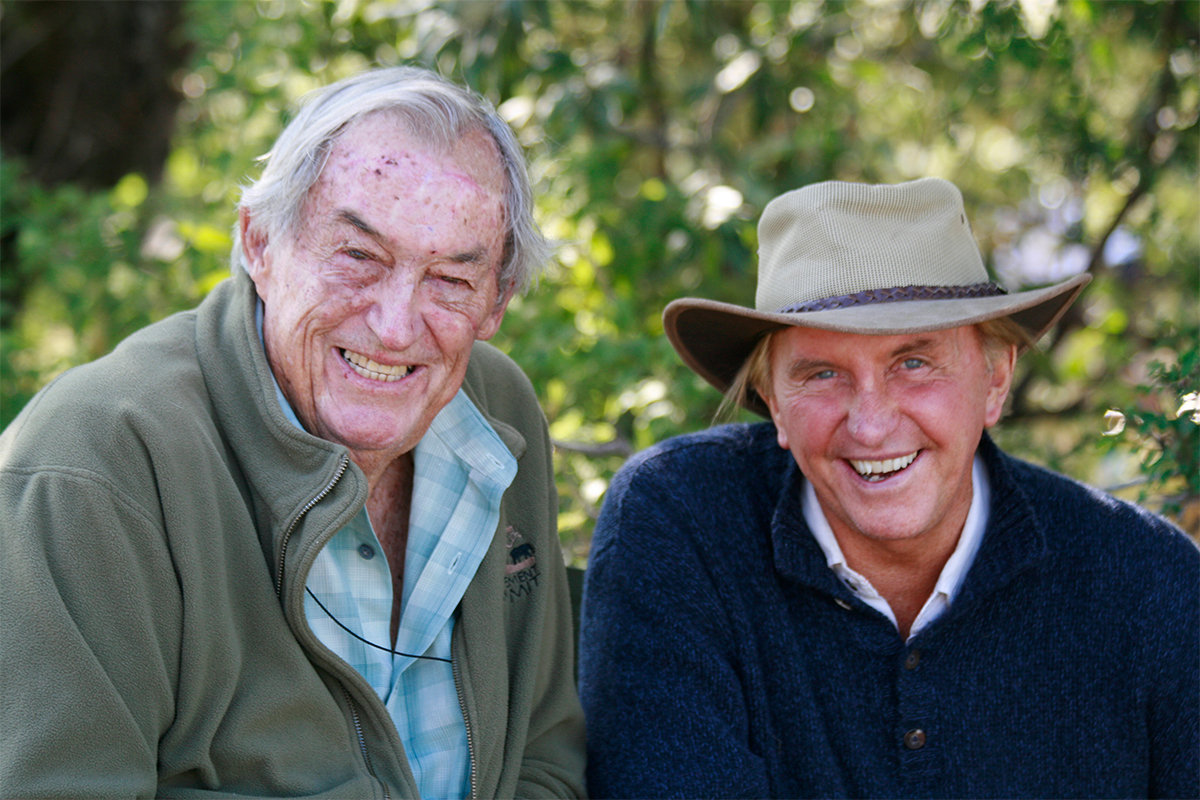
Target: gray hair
{"x": 433, "y": 108}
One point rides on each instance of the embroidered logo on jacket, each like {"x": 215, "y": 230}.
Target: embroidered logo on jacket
{"x": 521, "y": 572}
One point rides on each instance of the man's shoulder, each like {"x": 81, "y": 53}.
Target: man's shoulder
{"x": 151, "y": 382}
{"x": 495, "y": 383}
{"x": 722, "y": 462}
{"x": 504, "y": 395}
{"x": 1079, "y": 519}
{"x": 724, "y": 448}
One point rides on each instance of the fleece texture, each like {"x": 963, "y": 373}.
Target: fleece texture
{"x": 159, "y": 518}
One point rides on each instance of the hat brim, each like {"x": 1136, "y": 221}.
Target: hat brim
{"x": 714, "y": 338}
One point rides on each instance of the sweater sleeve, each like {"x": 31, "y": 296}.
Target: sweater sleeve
{"x": 1173, "y": 673}
{"x": 659, "y": 673}
{"x": 88, "y": 596}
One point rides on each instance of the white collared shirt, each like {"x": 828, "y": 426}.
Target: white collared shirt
{"x": 953, "y": 574}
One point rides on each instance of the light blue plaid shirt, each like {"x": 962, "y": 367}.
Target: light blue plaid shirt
{"x": 462, "y": 469}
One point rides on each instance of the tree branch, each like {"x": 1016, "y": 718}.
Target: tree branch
{"x": 617, "y": 447}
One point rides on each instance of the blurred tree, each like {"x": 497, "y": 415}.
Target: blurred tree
{"x": 86, "y": 91}
{"x": 86, "y": 97}
{"x": 657, "y": 131}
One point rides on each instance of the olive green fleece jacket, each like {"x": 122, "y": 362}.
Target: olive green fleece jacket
{"x": 159, "y": 518}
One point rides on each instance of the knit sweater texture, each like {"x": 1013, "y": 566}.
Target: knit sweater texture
{"x": 158, "y": 518}
{"x": 721, "y": 657}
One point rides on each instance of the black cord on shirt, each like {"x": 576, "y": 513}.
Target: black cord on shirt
{"x": 364, "y": 641}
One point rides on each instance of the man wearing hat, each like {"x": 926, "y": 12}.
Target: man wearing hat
{"x": 864, "y": 596}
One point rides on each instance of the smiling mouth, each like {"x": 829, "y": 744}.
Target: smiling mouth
{"x": 875, "y": 471}
{"x": 373, "y": 370}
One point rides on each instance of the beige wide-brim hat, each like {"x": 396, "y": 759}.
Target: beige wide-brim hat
{"x": 858, "y": 258}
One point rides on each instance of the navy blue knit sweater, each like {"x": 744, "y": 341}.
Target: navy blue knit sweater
{"x": 721, "y": 657}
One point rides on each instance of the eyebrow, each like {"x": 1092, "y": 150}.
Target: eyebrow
{"x": 802, "y": 365}
{"x": 470, "y": 257}
{"x": 347, "y": 216}
{"x": 474, "y": 256}
{"x": 924, "y": 343}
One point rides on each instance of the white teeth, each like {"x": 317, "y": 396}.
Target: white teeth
{"x": 876, "y": 470}
{"x": 373, "y": 369}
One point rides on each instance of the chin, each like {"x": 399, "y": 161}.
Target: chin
{"x": 888, "y": 530}
{"x": 367, "y": 438}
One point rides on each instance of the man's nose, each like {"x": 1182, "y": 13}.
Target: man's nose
{"x": 395, "y": 316}
{"x": 872, "y": 415}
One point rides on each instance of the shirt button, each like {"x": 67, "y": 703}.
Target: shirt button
{"x": 914, "y": 739}
{"x": 912, "y": 660}
{"x": 366, "y": 551}
{"x": 842, "y": 603}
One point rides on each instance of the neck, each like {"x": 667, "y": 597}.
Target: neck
{"x": 904, "y": 572}
{"x": 905, "y": 582}
{"x": 388, "y": 505}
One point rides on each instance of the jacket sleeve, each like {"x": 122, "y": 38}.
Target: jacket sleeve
{"x": 659, "y": 672}
{"x": 88, "y": 595}
{"x": 553, "y": 762}
{"x": 543, "y": 734}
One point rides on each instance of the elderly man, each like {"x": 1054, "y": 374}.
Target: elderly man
{"x": 266, "y": 547}
{"x": 865, "y": 597}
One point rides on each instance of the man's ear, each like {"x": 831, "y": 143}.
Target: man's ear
{"x": 773, "y": 407}
{"x": 999, "y": 384}
{"x": 491, "y": 323}
{"x": 254, "y": 244}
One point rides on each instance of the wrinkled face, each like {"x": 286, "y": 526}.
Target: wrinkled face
{"x": 372, "y": 307}
{"x": 886, "y": 427}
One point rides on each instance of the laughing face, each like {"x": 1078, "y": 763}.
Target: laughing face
{"x": 372, "y": 306}
{"x": 886, "y": 427}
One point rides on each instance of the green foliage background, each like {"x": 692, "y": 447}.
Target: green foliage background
{"x": 657, "y": 130}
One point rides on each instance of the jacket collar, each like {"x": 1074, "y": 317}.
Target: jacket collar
{"x": 283, "y": 467}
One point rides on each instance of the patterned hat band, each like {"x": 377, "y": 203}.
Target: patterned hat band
{"x": 988, "y": 289}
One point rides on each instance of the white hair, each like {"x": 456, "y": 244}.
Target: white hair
{"x": 433, "y": 108}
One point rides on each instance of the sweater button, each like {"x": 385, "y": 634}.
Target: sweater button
{"x": 914, "y": 739}
{"x": 366, "y": 551}
{"x": 913, "y": 659}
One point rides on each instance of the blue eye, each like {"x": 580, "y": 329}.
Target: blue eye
{"x": 913, "y": 363}
{"x": 824, "y": 374}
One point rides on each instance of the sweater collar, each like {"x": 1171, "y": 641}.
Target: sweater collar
{"x": 1015, "y": 538}
{"x": 798, "y": 556}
